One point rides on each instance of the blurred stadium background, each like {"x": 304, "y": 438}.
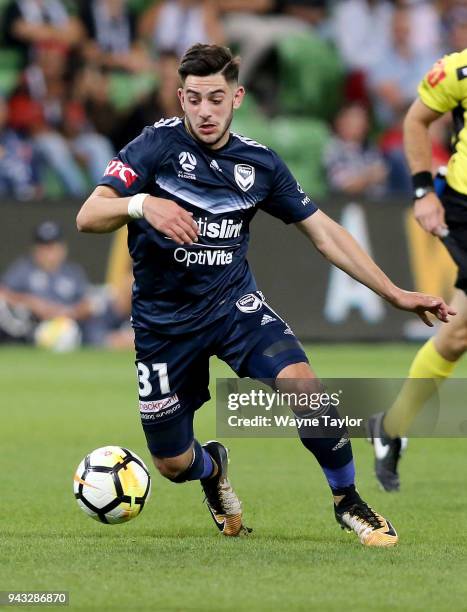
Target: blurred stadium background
{"x": 328, "y": 82}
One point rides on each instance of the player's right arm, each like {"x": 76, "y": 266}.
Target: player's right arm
{"x": 438, "y": 93}
{"x": 105, "y": 211}
{"x": 127, "y": 175}
{"x": 428, "y": 210}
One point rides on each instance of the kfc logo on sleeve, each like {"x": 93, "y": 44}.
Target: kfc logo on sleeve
{"x": 121, "y": 171}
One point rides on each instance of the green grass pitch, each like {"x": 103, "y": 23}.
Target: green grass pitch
{"x": 56, "y": 408}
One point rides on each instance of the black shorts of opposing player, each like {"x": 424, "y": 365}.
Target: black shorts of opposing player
{"x": 173, "y": 371}
{"x": 455, "y": 206}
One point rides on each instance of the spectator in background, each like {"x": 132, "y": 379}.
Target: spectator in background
{"x": 45, "y": 284}
{"x": 19, "y": 167}
{"x": 312, "y": 12}
{"x": 172, "y": 26}
{"x": 362, "y": 32}
{"x": 112, "y": 48}
{"x": 425, "y": 25}
{"x": 62, "y": 133}
{"x": 29, "y": 23}
{"x": 456, "y": 29}
{"x": 255, "y": 26}
{"x": 352, "y": 165}
{"x": 158, "y": 104}
{"x": 393, "y": 81}
{"x": 362, "y": 29}
{"x": 112, "y": 40}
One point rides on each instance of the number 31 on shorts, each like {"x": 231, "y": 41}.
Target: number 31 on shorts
{"x": 144, "y": 374}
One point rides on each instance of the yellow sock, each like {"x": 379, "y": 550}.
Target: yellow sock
{"x": 427, "y": 364}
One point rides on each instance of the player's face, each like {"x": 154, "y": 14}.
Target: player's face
{"x": 208, "y": 103}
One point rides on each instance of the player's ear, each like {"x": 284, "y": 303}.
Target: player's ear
{"x": 181, "y": 97}
{"x": 238, "y": 97}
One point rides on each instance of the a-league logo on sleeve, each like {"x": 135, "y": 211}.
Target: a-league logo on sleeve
{"x": 121, "y": 171}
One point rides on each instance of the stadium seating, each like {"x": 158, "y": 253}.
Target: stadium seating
{"x": 126, "y": 88}
{"x": 311, "y": 76}
{"x": 10, "y": 69}
{"x": 299, "y": 140}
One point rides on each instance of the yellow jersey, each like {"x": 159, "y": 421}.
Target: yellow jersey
{"x": 444, "y": 89}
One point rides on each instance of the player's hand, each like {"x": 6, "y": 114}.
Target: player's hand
{"x": 170, "y": 219}
{"x": 429, "y": 213}
{"x": 420, "y": 304}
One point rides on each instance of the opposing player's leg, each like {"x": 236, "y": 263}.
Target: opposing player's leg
{"x": 261, "y": 345}
{"x": 173, "y": 383}
{"x": 436, "y": 360}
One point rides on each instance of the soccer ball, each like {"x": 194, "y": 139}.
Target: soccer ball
{"x": 60, "y": 335}
{"x": 112, "y": 484}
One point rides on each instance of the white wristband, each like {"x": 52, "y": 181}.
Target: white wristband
{"x": 135, "y": 205}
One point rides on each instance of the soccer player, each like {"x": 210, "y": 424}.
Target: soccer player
{"x": 188, "y": 189}
{"x": 443, "y": 89}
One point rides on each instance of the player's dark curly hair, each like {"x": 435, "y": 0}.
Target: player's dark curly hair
{"x": 204, "y": 60}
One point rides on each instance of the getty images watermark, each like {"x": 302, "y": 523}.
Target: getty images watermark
{"x": 335, "y": 407}
{"x": 312, "y": 409}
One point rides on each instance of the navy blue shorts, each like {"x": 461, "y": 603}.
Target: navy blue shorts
{"x": 173, "y": 371}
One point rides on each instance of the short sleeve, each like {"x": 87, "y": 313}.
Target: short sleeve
{"x": 136, "y": 163}
{"x": 287, "y": 200}
{"x": 439, "y": 89}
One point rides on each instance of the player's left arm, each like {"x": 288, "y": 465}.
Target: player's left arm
{"x": 342, "y": 250}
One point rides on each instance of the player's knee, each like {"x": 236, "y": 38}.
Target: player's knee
{"x": 457, "y": 341}
{"x": 463, "y": 339}
{"x": 296, "y": 371}
{"x": 298, "y": 378}
{"x": 172, "y": 467}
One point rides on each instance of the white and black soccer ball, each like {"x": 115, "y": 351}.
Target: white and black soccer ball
{"x": 61, "y": 335}
{"x": 112, "y": 485}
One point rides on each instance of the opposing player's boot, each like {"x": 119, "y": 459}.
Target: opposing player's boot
{"x": 221, "y": 499}
{"x": 353, "y": 514}
{"x": 388, "y": 452}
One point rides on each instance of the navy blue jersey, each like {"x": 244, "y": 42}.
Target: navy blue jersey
{"x": 184, "y": 288}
